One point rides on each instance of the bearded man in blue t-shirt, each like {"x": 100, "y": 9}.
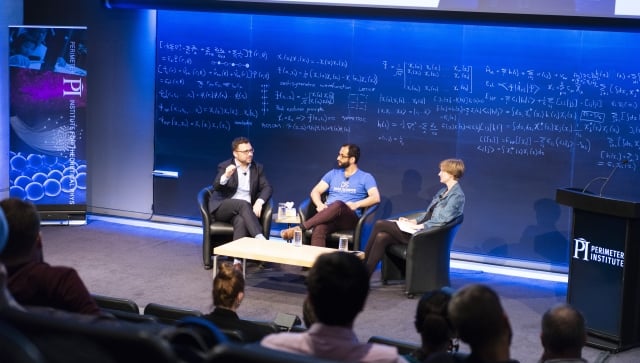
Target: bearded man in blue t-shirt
{"x": 349, "y": 189}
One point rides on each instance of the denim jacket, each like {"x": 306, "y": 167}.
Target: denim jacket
{"x": 448, "y": 208}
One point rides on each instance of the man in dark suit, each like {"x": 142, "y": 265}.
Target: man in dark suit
{"x": 240, "y": 190}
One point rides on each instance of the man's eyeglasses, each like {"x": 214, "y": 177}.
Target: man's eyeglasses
{"x": 343, "y": 156}
{"x": 248, "y": 151}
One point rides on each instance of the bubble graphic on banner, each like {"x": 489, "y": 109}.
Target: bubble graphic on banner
{"x": 34, "y": 177}
{"x": 18, "y": 162}
{"x": 52, "y": 187}
{"x": 35, "y": 161}
{"x": 39, "y": 177}
{"x": 17, "y": 192}
{"x": 81, "y": 180}
{"x": 50, "y": 160}
{"x": 35, "y": 191}
{"x": 22, "y": 181}
{"x": 55, "y": 174}
{"x": 68, "y": 183}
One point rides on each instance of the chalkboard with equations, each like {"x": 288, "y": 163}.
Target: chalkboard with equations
{"x": 528, "y": 108}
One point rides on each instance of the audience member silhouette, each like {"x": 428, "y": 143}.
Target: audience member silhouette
{"x": 31, "y": 280}
{"x": 480, "y": 321}
{"x": 432, "y": 323}
{"x": 337, "y": 288}
{"x": 308, "y": 316}
{"x": 6, "y": 299}
{"x": 563, "y": 335}
{"x": 228, "y": 293}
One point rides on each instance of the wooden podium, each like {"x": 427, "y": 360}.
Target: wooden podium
{"x": 604, "y": 267}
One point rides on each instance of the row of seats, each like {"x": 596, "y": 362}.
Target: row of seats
{"x": 423, "y": 264}
{"x": 158, "y": 334}
{"x": 128, "y": 309}
{"x": 44, "y": 336}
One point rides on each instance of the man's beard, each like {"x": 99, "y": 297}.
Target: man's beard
{"x": 342, "y": 165}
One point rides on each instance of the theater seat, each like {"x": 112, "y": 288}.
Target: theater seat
{"x": 121, "y": 308}
{"x": 216, "y": 233}
{"x": 15, "y": 347}
{"x": 169, "y": 314}
{"x": 402, "y": 346}
{"x": 255, "y": 353}
{"x": 424, "y": 262}
{"x": 63, "y": 337}
{"x": 112, "y": 303}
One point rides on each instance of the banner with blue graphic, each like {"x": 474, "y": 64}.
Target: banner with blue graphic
{"x": 48, "y": 104}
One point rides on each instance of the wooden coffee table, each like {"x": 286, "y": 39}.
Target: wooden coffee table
{"x": 270, "y": 251}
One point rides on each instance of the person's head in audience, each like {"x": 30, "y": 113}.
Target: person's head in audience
{"x": 433, "y": 325}
{"x": 24, "y": 242}
{"x": 4, "y": 230}
{"x": 337, "y": 288}
{"x": 228, "y": 287}
{"x": 480, "y": 321}
{"x": 6, "y": 299}
{"x": 32, "y": 281}
{"x": 563, "y": 333}
{"x": 308, "y": 316}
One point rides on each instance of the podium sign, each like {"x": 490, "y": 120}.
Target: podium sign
{"x": 604, "y": 267}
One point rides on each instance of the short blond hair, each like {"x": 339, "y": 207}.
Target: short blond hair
{"x": 454, "y": 167}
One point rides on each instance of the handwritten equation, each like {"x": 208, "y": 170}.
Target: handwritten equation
{"x": 524, "y": 111}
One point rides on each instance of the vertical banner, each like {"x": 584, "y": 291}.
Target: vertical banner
{"x": 47, "y": 106}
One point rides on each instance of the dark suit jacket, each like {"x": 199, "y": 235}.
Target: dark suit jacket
{"x": 259, "y": 185}
{"x": 251, "y": 331}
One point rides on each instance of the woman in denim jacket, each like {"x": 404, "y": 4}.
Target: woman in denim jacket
{"x": 446, "y": 205}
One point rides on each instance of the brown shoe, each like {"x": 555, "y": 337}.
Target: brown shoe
{"x": 287, "y": 234}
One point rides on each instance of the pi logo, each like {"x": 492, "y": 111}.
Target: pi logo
{"x": 344, "y": 184}
{"x": 581, "y": 249}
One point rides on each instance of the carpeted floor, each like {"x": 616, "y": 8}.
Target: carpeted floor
{"x": 160, "y": 266}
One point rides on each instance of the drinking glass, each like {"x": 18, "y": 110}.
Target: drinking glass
{"x": 343, "y": 244}
{"x": 297, "y": 238}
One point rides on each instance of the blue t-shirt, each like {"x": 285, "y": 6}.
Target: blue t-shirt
{"x": 350, "y": 189}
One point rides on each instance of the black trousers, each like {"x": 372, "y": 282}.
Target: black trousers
{"x": 240, "y": 214}
{"x": 384, "y": 233}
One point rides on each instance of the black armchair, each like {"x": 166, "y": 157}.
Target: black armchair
{"x": 215, "y": 233}
{"x": 307, "y": 210}
{"x": 424, "y": 262}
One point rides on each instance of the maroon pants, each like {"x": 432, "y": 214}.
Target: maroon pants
{"x": 337, "y": 216}
{"x": 384, "y": 233}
